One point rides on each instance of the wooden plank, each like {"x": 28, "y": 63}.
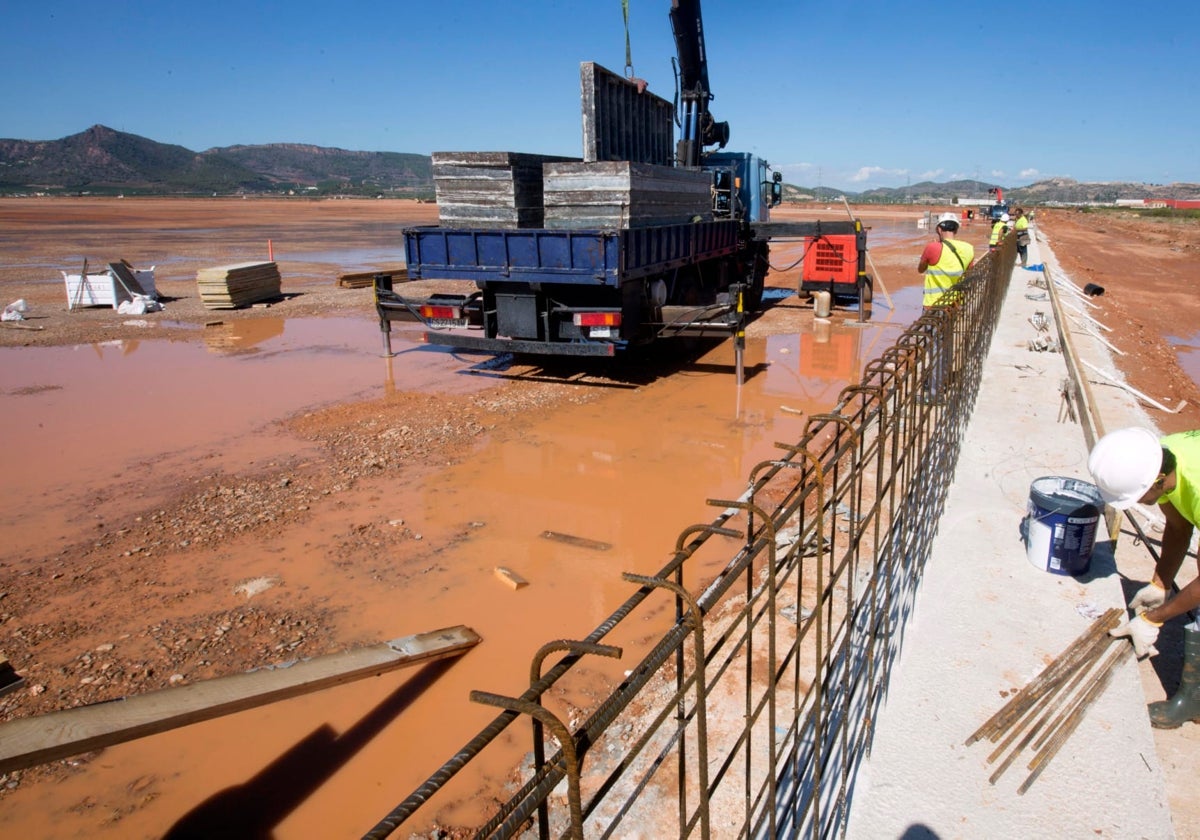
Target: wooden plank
{"x": 31, "y": 741}
{"x": 510, "y": 578}
{"x": 578, "y": 542}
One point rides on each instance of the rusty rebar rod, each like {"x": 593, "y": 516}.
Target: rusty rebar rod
{"x": 1065, "y": 662}
{"x": 1096, "y": 686}
{"x": 1051, "y": 705}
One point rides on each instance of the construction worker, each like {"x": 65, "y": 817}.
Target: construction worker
{"x": 943, "y": 262}
{"x": 1135, "y": 466}
{"x": 1021, "y": 226}
{"x": 999, "y": 229}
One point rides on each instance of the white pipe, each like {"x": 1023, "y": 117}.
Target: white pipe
{"x": 1136, "y": 392}
{"x": 1083, "y": 314}
{"x": 1098, "y": 337}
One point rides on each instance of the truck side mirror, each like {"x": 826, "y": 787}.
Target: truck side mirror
{"x": 777, "y": 190}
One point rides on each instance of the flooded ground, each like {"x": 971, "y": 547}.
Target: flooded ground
{"x": 155, "y": 477}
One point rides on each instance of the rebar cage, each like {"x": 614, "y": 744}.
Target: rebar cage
{"x": 772, "y": 630}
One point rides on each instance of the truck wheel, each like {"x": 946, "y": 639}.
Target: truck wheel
{"x": 753, "y": 296}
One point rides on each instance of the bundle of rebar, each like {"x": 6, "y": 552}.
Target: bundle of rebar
{"x": 1043, "y": 714}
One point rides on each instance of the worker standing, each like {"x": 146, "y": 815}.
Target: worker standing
{"x": 1134, "y": 466}
{"x": 1021, "y": 226}
{"x": 999, "y": 229}
{"x": 944, "y": 262}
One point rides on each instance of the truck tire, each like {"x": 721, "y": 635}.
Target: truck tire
{"x": 753, "y": 296}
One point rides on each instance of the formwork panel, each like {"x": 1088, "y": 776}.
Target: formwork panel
{"x": 490, "y": 189}
{"x": 621, "y": 124}
{"x": 624, "y": 194}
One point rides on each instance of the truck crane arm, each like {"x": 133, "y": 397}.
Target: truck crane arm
{"x": 697, "y": 126}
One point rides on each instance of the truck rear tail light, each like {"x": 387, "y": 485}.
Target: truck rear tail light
{"x": 441, "y": 313}
{"x": 597, "y": 319}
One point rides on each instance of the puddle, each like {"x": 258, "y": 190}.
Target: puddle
{"x": 80, "y": 421}
{"x": 1187, "y": 350}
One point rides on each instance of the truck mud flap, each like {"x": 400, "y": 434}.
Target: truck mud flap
{"x": 513, "y": 345}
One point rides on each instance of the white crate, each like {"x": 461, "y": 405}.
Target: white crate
{"x": 104, "y": 289}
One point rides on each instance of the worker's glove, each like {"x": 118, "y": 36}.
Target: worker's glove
{"x": 1147, "y": 598}
{"x": 1142, "y": 632}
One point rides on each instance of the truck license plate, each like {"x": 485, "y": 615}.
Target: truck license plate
{"x": 600, "y": 332}
{"x": 447, "y": 322}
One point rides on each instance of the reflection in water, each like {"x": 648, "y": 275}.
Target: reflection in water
{"x": 243, "y": 334}
{"x": 1186, "y": 350}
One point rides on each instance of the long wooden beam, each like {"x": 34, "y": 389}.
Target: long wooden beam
{"x": 37, "y": 740}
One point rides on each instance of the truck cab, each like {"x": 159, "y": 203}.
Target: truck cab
{"x": 743, "y": 186}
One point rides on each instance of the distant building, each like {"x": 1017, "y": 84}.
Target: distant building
{"x": 1174, "y": 203}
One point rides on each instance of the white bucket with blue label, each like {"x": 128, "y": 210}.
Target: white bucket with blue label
{"x": 1059, "y": 529}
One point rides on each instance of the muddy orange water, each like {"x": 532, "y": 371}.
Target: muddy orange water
{"x": 98, "y": 428}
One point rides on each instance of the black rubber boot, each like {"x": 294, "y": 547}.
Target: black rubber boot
{"x": 1185, "y": 704}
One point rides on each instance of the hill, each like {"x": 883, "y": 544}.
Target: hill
{"x": 101, "y": 160}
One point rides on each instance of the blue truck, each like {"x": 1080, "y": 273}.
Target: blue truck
{"x": 597, "y": 292}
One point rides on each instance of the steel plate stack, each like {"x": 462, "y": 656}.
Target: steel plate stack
{"x": 235, "y": 286}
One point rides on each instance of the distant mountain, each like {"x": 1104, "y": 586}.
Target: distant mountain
{"x": 1050, "y": 191}
{"x": 103, "y": 161}
{"x": 316, "y": 165}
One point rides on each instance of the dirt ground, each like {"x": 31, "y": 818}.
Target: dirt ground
{"x": 116, "y": 602}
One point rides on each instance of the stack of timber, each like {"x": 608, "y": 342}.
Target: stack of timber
{"x": 235, "y": 286}
{"x": 363, "y": 279}
{"x": 490, "y": 189}
{"x": 621, "y": 194}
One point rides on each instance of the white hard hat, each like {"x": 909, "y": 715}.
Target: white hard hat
{"x": 1004, "y": 217}
{"x": 1124, "y": 464}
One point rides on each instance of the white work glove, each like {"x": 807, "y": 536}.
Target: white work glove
{"x": 1148, "y": 597}
{"x": 1142, "y": 632}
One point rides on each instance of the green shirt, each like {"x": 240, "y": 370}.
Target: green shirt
{"x": 1186, "y": 495}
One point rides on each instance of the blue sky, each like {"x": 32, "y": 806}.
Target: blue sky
{"x": 848, "y": 95}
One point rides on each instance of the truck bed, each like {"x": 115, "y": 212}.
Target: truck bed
{"x": 587, "y": 257}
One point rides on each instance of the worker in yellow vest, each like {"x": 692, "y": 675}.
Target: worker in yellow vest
{"x": 999, "y": 229}
{"x": 944, "y": 262}
{"x": 1135, "y": 466}
{"x": 1021, "y": 227}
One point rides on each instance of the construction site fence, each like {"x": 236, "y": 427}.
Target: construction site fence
{"x": 766, "y": 642}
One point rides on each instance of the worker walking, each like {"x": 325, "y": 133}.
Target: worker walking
{"x": 1021, "y": 227}
{"x": 999, "y": 229}
{"x": 1134, "y": 466}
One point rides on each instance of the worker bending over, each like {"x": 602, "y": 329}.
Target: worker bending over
{"x": 1134, "y": 466}
{"x": 999, "y": 229}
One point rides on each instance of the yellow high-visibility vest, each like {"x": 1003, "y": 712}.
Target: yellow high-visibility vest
{"x": 998, "y": 230}
{"x": 1186, "y": 495}
{"x": 943, "y": 276}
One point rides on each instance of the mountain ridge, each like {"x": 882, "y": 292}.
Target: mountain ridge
{"x": 101, "y": 160}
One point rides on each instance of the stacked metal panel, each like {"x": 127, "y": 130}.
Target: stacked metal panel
{"x": 623, "y": 194}
{"x": 621, "y": 122}
{"x": 490, "y": 189}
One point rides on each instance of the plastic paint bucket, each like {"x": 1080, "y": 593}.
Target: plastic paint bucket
{"x": 1059, "y": 529}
